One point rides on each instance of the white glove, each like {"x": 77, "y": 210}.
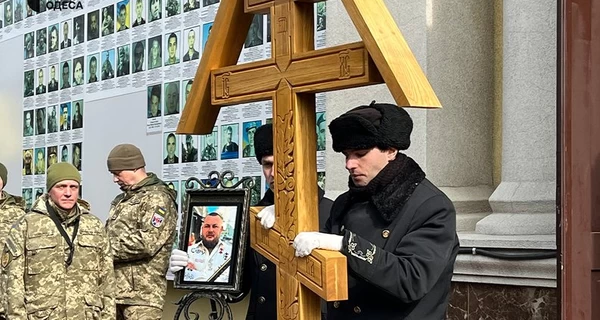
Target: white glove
{"x": 179, "y": 260}
{"x": 306, "y": 242}
{"x": 267, "y": 217}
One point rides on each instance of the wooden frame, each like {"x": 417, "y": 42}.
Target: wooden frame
{"x": 220, "y": 270}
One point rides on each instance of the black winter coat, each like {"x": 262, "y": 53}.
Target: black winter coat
{"x": 400, "y": 243}
{"x": 260, "y": 272}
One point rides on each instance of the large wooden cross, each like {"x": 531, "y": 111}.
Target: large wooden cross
{"x": 290, "y": 79}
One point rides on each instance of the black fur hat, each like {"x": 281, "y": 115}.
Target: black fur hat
{"x": 379, "y": 125}
{"x": 263, "y": 141}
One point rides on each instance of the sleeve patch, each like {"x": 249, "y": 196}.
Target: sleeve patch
{"x": 159, "y": 217}
{"x": 7, "y": 257}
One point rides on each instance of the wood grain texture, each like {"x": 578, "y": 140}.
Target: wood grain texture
{"x": 392, "y": 55}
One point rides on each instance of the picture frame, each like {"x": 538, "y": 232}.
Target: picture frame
{"x": 214, "y": 233}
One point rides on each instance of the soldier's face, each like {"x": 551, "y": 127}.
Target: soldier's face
{"x": 172, "y": 47}
{"x": 171, "y": 146}
{"x": 212, "y": 228}
{"x": 65, "y": 193}
{"x": 124, "y": 178}
{"x": 1, "y": 184}
{"x": 154, "y": 106}
{"x": 268, "y": 172}
{"x": 93, "y": 66}
{"x": 251, "y": 136}
{"x": 139, "y": 8}
{"x": 78, "y": 73}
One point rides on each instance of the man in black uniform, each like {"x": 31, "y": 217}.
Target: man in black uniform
{"x": 396, "y": 229}
{"x": 259, "y": 275}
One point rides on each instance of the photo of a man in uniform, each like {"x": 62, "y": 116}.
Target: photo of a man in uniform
{"x": 190, "y": 5}
{"x": 65, "y": 116}
{"x": 66, "y": 39}
{"x": 52, "y": 120}
{"x": 52, "y": 156}
{"x": 28, "y": 123}
{"x": 191, "y": 53}
{"x": 41, "y": 87}
{"x": 8, "y": 13}
{"x": 28, "y": 45}
{"x": 189, "y": 149}
{"x": 53, "y": 82}
{"x": 321, "y": 131}
{"x": 28, "y": 85}
{"x": 66, "y": 75}
{"x": 53, "y": 38}
{"x": 171, "y": 149}
{"x": 41, "y": 42}
{"x": 248, "y": 142}
{"x": 209, "y": 150}
{"x": 108, "y": 21}
{"x": 123, "y": 61}
{"x": 108, "y": 61}
{"x": 210, "y": 255}
{"x": 40, "y": 121}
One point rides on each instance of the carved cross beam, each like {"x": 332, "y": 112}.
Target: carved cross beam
{"x": 290, "y": 79}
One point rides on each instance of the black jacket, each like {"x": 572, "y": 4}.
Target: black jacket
{"x": 260, "y": 272}
{"x": 400, "y": 243}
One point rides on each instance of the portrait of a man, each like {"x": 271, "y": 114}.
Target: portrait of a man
{"x": 66, "y": 38}
{"x": 155, "y": 10}
{"x": 41, "y": 42}
{"x": 78, "y": 29}
{"x": 209, "y": 149}
{"x": 210, "y": 252}
{"x": 255, "y": 34}
{"x": 76, "y": 158}
{"x": 64, "y": 153}
{"x": 229, "y": 138}
{"x": 172, "y": 48}
{"x": 154, "y": 52}
{"x": 139, "y": 13}
{"x": 28, "y": 83}
{"x": 93, "y": 68}
{"x": 28, "y": 45}
{"x": 123, "y": 15}
{"x": 77, "y": 119}
{"x": 52, "y": 120}
{"x": 53, "y": 81}
{"x": 108, "y": 20}
{"x": 53, "y": 38}
{"x": 189, "y": 149}
{"x": 171, "y": 148}
{"x": 93, "y": 25}
{"x": 40, "y": 121}
{"x": 40, "y": 161}
{"x": 248, "y": 142}
{"x": 27, "y": 162}
{"x": 108, "y": 62}
{"x": 65, "y": 81}
{"x": 123, "y": 61}
{"x": 8, "y": 13}
{"x": 171, "y": 98}
{"x": 52, "y": 156}
{"x": 65, "y": 116}
{"x": 187, "y": 88}
{"x": 173, "y": 7}
{"x": 41, "y": 80}
{"x": 28, "y": 123}
{"x": 78, "y": 71}
{"x": 154, "y": 97}
{"x": 192, "y": 43}
{"x": 139, "y": 52}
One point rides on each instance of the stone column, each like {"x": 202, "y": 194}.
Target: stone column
{"x": 453, "y": 42}
{"x": 524, "y": 202}
{"x": 460, "y": 67}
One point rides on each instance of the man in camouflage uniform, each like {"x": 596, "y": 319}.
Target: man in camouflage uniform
{"x": 56, "y": 259}
{"x": 11, "y": 209}
{"x": 141, "y": 227}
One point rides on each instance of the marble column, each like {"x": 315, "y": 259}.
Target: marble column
{"x": 524, "y": 202}
{"x": 460, "y": 67}
{"x": 453, "y": 42}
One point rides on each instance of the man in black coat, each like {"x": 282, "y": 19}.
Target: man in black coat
{"x": 260, "y": 276}
{"x": 259, "y": 273}
{"x": 396, "y": 229}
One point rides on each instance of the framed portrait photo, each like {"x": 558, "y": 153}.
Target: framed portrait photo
{"x": 214, "y": 233}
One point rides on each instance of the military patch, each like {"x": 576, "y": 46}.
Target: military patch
{"x": 6, "y": 258}
{"x": 159, "y": 217}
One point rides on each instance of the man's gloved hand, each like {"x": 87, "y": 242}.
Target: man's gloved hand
{"x": 267, "y": 217}
{"x": 306, "y": 242}
{"x": 179, "y": 260}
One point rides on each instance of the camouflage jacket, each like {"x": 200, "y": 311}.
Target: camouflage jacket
{"x": 141, "y": 226}
{"x": 11, "y": 209}
{"x": 40, "y": 283}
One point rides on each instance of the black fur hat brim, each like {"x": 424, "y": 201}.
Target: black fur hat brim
{"x": 263, "y": 141}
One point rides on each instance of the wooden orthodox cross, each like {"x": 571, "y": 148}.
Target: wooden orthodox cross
{"x": 290, "y": 79}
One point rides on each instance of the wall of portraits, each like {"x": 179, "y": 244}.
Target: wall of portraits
{"x": 121, "y": 71}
